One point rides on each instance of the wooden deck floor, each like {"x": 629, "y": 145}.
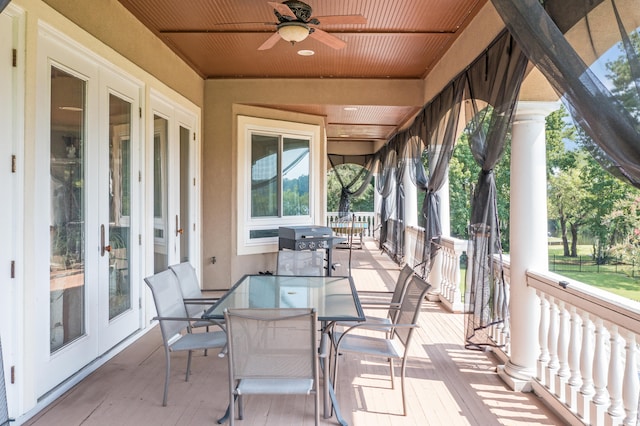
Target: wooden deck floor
{"x": 446, "y": 384}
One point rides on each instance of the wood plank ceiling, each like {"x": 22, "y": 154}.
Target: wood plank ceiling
{"x": 400, "y": 40}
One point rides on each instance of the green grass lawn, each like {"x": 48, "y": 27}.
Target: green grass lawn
{"x": 616, "y": 283}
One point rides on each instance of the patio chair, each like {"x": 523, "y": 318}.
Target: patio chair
{"x": 272, "y": 352}
{"x": 304, "y": 263}
{"x": 381, "y": 300}
{"x": 194, "y": 299}
{"x": 193, "y": 296}
{"x": 175, "y": 324}
{"x": 390, "y": 348}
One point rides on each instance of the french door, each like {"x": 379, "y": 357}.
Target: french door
{"x": 174, "y": 186}
{"x": 89, "y": 174}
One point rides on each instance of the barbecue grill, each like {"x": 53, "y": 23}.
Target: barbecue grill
{"x": 308, "y": 238}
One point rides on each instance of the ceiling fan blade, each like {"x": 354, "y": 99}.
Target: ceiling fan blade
{"x": 271, "y": 41}
{"x": 282, "y": 9}
{"x": 328, "y": 39}
{"x": 341, "y": 19}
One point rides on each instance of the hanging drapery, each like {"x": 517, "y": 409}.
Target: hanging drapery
{"x": 356, "y": 185}
{"x": 603, "y": 100}
{"x": 435, "y": 129}
{"x": 493, "y": 85}
{"x": 390, "y": 187}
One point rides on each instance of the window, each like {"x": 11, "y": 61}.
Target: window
{"x": 279, "y": 176}
{"x": 275, "y": 178}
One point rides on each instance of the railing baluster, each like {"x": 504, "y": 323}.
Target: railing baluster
{"x": 630, "y": 384}
{"x": 586, "y": 368}
{"x": 554, "y": 362}
{"x": 574, "y": 382}
{"x": 543, "y": 337}
{"x": 616, "y": 409}
{"x": 600, "y": 399}
{"x": 563, "y": 352}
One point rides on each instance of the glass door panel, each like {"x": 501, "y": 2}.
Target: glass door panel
{"x": 67, "y": 221}
{"x": 160, "y": 194}
{"x": 185, "y": 192}
{"x": 119, "y": 206}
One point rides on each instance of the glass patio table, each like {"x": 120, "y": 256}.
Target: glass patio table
{"x": 333, "y": 298}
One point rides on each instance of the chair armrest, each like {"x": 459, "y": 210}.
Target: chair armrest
{"x": 381, "y": 305}
{"x": 201, "y": 301}
{"x": 383, "y": 327}
{"x": 380, "y": 326}
{"x": 221, "y": 292}
{"x": 183, "y": 319}
{"x": 374, "y": 292}
{"x": 375, "y": 297}
{"x": 323, "y": 350}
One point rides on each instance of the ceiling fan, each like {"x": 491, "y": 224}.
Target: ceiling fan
{"x": 296, "y": 23}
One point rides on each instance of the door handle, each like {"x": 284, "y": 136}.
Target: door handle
{"x": 179, "y": 230}
{"x": 103, "y": 248}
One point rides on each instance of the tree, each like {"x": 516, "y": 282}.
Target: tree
{"x": 565, "y": 204}
{"x": 363, "y": 203}
{"x": 463, "y": 175}
{"x": 624, "y": 222}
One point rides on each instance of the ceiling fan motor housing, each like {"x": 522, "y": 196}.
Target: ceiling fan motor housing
{"x": 301, "y": 10}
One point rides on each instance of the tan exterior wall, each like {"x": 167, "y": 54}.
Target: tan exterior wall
{"x": 115, "y": 26}
{"x": 226, "y": 98}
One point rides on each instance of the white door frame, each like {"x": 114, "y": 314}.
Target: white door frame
{"x": 12, "y": 170}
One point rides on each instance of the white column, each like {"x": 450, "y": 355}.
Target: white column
{"x": 410, "y": 197}
{"x": 528, "y": 242}
{"x": 435, "y": 275}
{"x": 377, "y": 201}
{"x": 445, "y": 208}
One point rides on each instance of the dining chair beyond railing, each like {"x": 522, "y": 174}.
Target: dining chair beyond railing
{"x": 175, "y": 323}
{"x": 307, "y": 263}
{"x": 391, "y": 348}
{"x": 272, "y": 352}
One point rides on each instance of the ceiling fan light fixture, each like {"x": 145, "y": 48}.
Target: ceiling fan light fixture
{"x": 293, "y": 32}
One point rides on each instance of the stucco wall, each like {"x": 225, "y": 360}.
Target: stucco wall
{"x": 115, "y": 26}
{"x": 226, "y": 98}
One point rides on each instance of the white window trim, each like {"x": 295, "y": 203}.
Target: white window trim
{"x": 246, "y": 126}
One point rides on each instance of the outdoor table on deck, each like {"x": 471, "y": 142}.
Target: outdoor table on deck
{"x": 350, "y": 229}
{"x": 334, "y": 299}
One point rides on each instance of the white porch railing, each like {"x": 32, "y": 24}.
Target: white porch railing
{"x": 368, "y": 217}
{"x": 445, "y": 275}
{"x": 588, "y": 360}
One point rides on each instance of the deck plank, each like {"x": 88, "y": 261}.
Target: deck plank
{"x": 446, "y": 384}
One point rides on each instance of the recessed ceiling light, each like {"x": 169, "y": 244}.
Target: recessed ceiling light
{"x": 350, "y": 108}
{"x": 344, "y": 136}
{"x": 306, "y": 52}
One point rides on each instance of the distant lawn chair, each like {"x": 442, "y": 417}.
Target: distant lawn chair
{"x": 175, "y": 324}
